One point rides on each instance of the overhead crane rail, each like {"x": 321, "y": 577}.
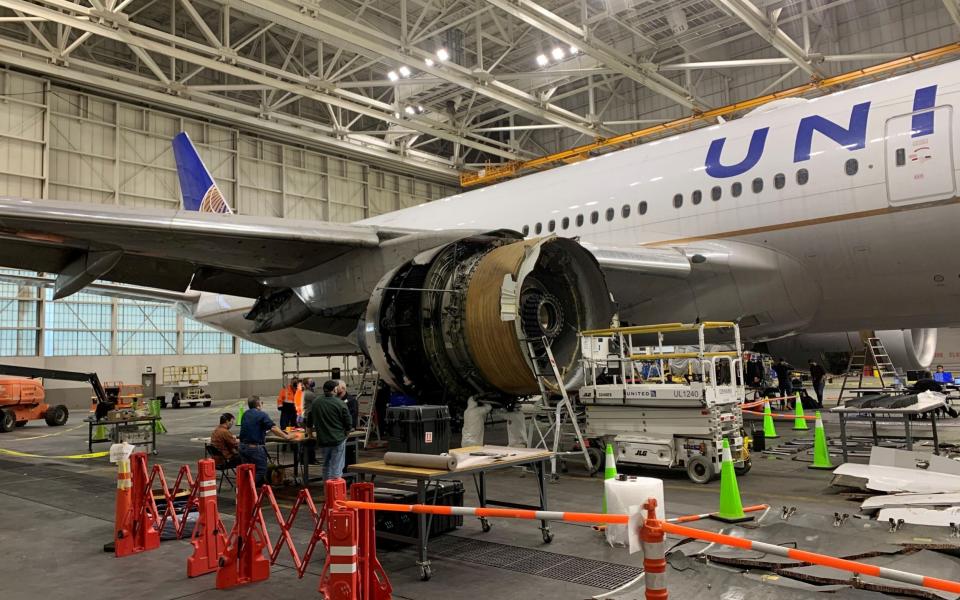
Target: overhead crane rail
{"x": 497, "y": 172}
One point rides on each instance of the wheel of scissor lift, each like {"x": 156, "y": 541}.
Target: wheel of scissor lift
{"x": 57, "y": 415}
{"x": 699, "y": 469}
{"x": 21, "y": 423}
{"x": 596, "y": 460}
{"x": 747, "y": 465}
{"x": 8, "y": 421}
{"x": 175, "y": 402}
{"x": 208, "y": 403}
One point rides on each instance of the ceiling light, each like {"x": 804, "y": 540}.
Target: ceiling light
{"x": 419, "y": 108}
{"x": 428, "y": 61}
{"x": 557, "y": 53}
{"x": 409, "y": 110}
{"x": 542, "y": 60}
{"x": 404, "y": 71}
{"x": 574, "y": 50}
{"x": 392, "y": 76}
{"x": 443, "y": 55}
{"x": 396, "y": 115}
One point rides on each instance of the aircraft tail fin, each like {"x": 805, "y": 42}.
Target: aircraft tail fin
{"x": 197, "y": 186}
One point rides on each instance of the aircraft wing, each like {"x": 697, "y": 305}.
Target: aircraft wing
{"x": 111, "y": 290}
{"x": 167, "y": 249}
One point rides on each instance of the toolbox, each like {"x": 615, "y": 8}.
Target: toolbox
{"x": 450, "y": 493}
{"x": 418, "y": 429}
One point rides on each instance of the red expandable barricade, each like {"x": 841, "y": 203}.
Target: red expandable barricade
{"x": 135, "y": 533}
{"x": 244, "y": 560}
{"x": 208, "y": 539}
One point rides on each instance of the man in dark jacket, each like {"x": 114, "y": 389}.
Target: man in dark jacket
{"x": 329, "y": 422}
{"x": 818, "y": 377}
{"x": 782, "y": 369}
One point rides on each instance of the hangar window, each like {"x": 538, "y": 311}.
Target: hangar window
{"x": 779, "y": 180}
{"x": 696, "y": 196}
{"x": 736, "y": 189}
{"x": 538, "y": 227}
{"x": 757, "y": 185}
{"x": 678, "y": 201}
{"x": 803, "y": 176}
{"x": 579, "y": 220}
{"x": 551, "y": 225}
{"x": 525, "y": 230}
{"x": 565, "y": 223}
{"x": 851, "y": 166}
{"x": 625, "y": 211}
{"x": 610, "y": 214}
{"x": 642, "y": 207}
{"x": 716, "y": 192}
{"x": 594, "y": 217}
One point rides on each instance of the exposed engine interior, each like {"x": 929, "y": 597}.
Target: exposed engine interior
{"x": 455, "y": 321}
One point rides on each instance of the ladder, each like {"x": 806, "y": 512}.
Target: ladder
{"x": 544, "y": 369}
{"x": 874, "y": 354}
{"x": 366, "y": 403}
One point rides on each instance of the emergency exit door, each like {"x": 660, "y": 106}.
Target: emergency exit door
{"x": 919, "y": 156}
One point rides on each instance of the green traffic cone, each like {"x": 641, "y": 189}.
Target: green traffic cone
{"x": 769, "y": 431}
{"x": 609, "y": 472}
{"x": 821, "y": 455}
{"x": 158, "y": 425}
{"x": 240, "y": 412}
{"x": 731, "y": 509}
{"x": 799, "y": 423}
{"x": 100, "y": 433}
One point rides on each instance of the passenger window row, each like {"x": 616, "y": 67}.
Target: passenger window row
{"x": 851, "y": 167}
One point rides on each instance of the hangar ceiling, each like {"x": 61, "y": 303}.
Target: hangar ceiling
{"x": 436, "y": 86}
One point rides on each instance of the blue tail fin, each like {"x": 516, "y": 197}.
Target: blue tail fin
{"x": 199, "y": 190}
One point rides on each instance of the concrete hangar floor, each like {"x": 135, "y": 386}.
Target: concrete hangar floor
{"x": 57, "y": 513}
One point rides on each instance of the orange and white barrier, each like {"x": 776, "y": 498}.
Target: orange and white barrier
{"x": 208, "y": 539}
{"x": 652, "y": 540}
{"x": 134, "y": 528}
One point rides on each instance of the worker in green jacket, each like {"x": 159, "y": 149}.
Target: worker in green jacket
{"x": 329, "y": 423}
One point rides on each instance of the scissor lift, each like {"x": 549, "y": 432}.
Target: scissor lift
{"x": 676, "y": 422}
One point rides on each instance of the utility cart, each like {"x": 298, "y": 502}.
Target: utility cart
{"x": 666, "y": 406}
{"x": 185, "y": 385}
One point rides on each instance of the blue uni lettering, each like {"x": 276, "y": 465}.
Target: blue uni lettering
{"x": 716, "y": 169}
{"x": 922, "y": 124}
{"x": 853, "y": 137}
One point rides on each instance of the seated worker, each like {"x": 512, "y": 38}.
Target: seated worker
{"x": 942, "y": 376}
{"x": 253, "y": 433}
{"x": 226, "y": 443}
{"x": 329, "y": 422}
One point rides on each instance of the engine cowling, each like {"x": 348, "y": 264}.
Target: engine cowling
{"x": 909, "y": 349}
{"x": 454, "y": 322}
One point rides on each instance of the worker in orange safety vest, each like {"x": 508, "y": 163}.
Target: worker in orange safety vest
{"x": 290, "y": 403}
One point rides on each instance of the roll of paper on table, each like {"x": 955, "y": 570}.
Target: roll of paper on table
{"x": 443, "y": 462}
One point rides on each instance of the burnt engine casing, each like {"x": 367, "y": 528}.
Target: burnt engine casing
{"x": 454, "y": 322}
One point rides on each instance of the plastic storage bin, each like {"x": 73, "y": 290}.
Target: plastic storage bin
{"x": 418, "y": 429}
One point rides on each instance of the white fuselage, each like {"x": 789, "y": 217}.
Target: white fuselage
{"x": 863, "y": 198}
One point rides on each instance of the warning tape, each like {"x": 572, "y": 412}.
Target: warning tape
{"x": 68, "y": 456}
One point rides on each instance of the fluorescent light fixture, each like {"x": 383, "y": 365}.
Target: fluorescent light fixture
{"x": 443, "y": 54}
{"x": 574, "y": 50}
{"x": 419, "y": 108}
{"x": 409, "y": 110}
{"x": 396, "y": 115}
{"x": 428, "y": 61}
{"x": 557, "y": 53}
{"x": 392, "y": 76}
{"x": 404, "y": 71}
{"x": 542, "y": 60}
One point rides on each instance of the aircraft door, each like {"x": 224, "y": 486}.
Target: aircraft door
{"x": 919, "y": 156}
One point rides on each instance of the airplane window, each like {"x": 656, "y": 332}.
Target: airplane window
{"x": 610, "y": 214}
{"x": 625, "y": 211}
{"x": 779, "y": 180}
{"x": 642, "y": 208}
{"x": 803, "y": 176}
{"x": 696, "y": 196}
{"x": 551, "y": 225}
{"x": 736, "y": 189}
{"x": 538, "y": 228}
{"x": 525, "y": 230}
{"x": 579, "y": 220}
{"x": 678, "y": 201}
{"x": 594, "y": 217}
{"x": 851, "y": 166}
{"x": 757, "y": 185}
{"x": 565, "y": 223}
{"x": 715, "y": 193}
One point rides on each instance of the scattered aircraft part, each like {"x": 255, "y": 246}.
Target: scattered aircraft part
{"x": 919, "y": 515}
{"x": 451, "y": 322}
{"x": 902, "y": 471}
{"x": 909, "y": 500}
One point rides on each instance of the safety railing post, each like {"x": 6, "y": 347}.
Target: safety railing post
{"x": 654, "y": 557}
{"x": 244, "y": 560}
{"x": 374, "y": 583}
{"x": 136, "y": 532}
{"x": 208, "y": 539}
